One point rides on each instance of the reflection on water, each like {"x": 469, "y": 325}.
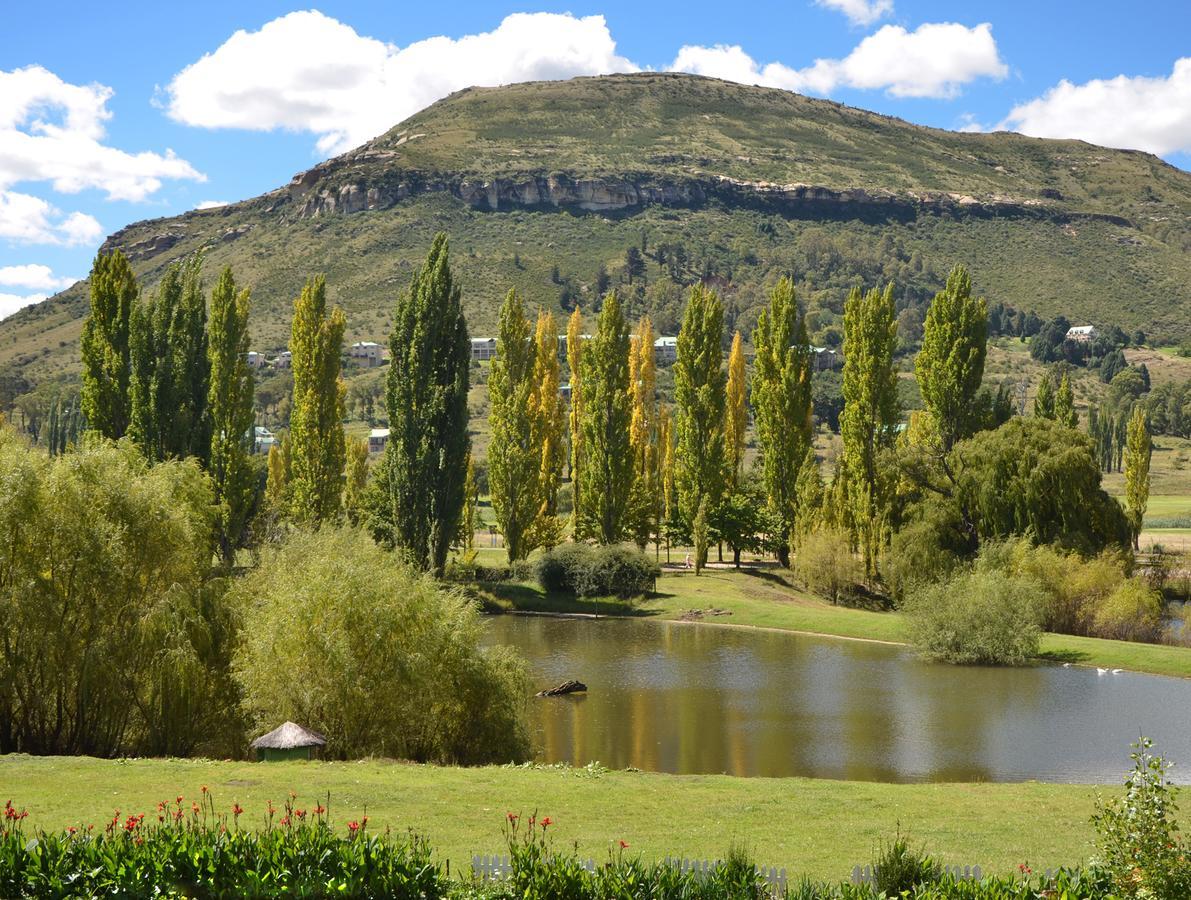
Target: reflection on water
{"x": 670, "y": 697}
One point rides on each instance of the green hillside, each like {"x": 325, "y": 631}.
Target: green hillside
{"x": 542, "y": 184}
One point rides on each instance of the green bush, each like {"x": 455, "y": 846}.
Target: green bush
{"x": 899, "y": 868}
{"x": 345, "y": 638}
{"x": 597, "y": 571}
{"x": 921, "y": 552}
{"x": 976, "y": 618}
{"x": 825, "y": 563}
{"x": 1133, "y": 612}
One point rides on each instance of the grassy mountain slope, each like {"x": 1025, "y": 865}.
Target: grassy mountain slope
{"x": 751, "y": 182}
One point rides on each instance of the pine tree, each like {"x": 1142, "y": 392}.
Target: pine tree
{"x": 950, "y": 364}
{"x": 643, "y": 431}
{"x": 514, "y": 460}
{"x": 869, "y": 419}
{"x": 356, "y": 478}
{"x": 548, "y": 414}
{"x": 105, "y": 346}
{"x": 782, "y": 404}
{"x": 1064, "y": 404}
{"x": 1137, "y": 470}
{"x": 699, "y": 395}
{"x": 575, "y": 364}
{"x": 1044, "y": 400}
{"x": 606, "y": 478}
{"x": 230, "y": 402}
{"x": 426, "y": 396}
{"x": 317, "y": 451}
{"x": 736, "y": 412}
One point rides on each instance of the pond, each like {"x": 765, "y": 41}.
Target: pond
{"x": 684, "y": 698}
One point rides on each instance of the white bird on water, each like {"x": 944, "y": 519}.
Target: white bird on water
{"x": 1100, "y": 671}
{"x": 1117, "y": 671}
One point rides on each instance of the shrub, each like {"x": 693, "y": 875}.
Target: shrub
{"x": 920, "y": 553}
{"x": 597, "y": 571}
{"x": 345, "y": 638}
{"x": 1133, "y": 612}
{"x": 825, "y": 563}
{"x": 976, "y": 618}
{"x": 900, "y": 868}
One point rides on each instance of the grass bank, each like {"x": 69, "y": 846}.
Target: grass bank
{"x": 763, "y": 597}
{"x": 817, "y": 827}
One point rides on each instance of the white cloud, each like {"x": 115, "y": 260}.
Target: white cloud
{"x": 308, "y": 72}
{"x": 34, "y": 277}
{"x": 211, "y": 204}
{"x": 10, "y": 303}
{"x": 25, "y": 219}
{"x": 53, "y": 131}
{"x": 860, "y": 12}
{"x": 934, "y": 60}
{"x": 1137, "y": 113}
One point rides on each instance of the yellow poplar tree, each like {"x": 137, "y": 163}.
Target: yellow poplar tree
{"x": 547, "y": 425}
{"x": 643, "y": 429}
{"x": 735, "y": 412}
{"x": 574, "y": 362}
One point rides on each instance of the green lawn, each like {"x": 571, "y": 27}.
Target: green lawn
{"x": 764, "y": 598}
{"x": 821, "y": 828}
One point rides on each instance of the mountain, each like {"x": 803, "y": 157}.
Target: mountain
{"x": 542, "y": 184}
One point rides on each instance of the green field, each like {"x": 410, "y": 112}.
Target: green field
{"x": 821, "y": 828}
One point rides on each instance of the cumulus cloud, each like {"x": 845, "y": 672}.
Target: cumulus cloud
{"x": 10, "y": 303}
{"x": 860, "y": 12}
{"x": 1133, "y": 113}
{"x": 308, "y": 72}
{"x": 25, "y": 219}
{"x": 34, "y": 277}
{"x": 51, "y": 130}
{"x": 934, "y": 60}
{"x": 211, "y": 204}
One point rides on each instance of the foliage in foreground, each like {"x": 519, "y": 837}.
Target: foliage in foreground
{"x": 345, "y": 638}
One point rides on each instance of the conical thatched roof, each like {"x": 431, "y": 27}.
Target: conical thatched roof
{"x": 289, "y": 736}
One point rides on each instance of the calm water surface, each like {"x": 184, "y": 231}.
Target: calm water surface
{"x": 671, "y": 697}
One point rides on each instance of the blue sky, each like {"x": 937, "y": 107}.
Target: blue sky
{"x": 108, "y": 118}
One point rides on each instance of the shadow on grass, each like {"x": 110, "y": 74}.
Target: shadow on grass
{"x": 511, "y": 596}
{"x": 1063, "y": 656}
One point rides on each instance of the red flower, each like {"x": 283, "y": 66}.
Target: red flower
{"x": 319, "y": 810}
{"x": 269, "y": 807}
{"x": 364, "y": 822}
{"x": 70, "y": 829}
{"x": 285, "y": 821}
{"x": 353, "y": 827}
{"x": 547, "y": 822}
{"x": 513, "y": 817}
{"x": 179, "y": 799}
{"x": 203, "y": 789}
{"x": 237, "y": 809}
{"x": 624, "y": 845}
{"x": 300, "y": 813}
{"x": 194, "y": 808}
{"x": 293, "y": 796}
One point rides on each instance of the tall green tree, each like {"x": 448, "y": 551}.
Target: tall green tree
{"x": 1044, "y": 399}
{"x": 700, "y": 398}
{"x": 735, "y": 411}
{"x": 105, "y": 346}
{"x": 189, "y": 431}
{"x": 782, "y": 404}
{"x": 575, "y": 423}
{"x": 548, "y": 413}
{"x": 317, "y": 449}
{"x": 869, "y": 420}
{"x": 1065, "y": 413}
{"x": 230, "y": 403}
{"x": 1137, "y": 470}
{"x": 606, "y": 479}
{"x": 426, "y": 396}
{"x": 355, "y": 478}
{"x": 514, "y": 458}
{"x": 643, "y": 431}
{"x": 950, "y": 364}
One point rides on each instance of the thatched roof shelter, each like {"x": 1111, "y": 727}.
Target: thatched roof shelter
{"x": 288, "y": 741}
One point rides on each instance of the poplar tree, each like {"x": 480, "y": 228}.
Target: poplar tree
{"x": 699, "y": 385}
{"x": 869, "y": 419}
{"x": 151, "y": 371}
{"x": 230, "y": 402}
{"x": 736, "y": 411}
{"x": 105, "y": 346}
{"x": 317, "y": 449}
{"x": 643, "y": 431}
{"x": 471, "y": 498}
{"x": 355, "y": 478}
{"x": 950, "y": 364}
{"x": 426, "y": 396}
{"x": 810, "y": 497}
{"x": 1137, "y": 470}
{"x": 548, "y": 414}
{"x": 664, "y": 504}
{"x": 782, "y": 404}
{"x": 277, "y": 481}
{"x": 188, "y": 432}
{"x": 514, "y": 460}
{"x": 1064, "y": 404}
{"x": 606, "y": 476}
{"x": 1044, "y": 400}
{"x": 575, "y": 364}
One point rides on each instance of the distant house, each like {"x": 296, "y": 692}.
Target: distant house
{"x": 825, "y": 358}
{"x": 367, "y": 353}
{"x": 1081, "y": 333}
{"x": 483, "y": 348}
{"x": 289, "y": 741}
{"x": 665, "y": 350}
{"x": 564, "y": 390}
{"x": 262, "y": 439}
{"x": 377, "y": 439}
{"x": 256, "y": 360}
{"x": 285, "y": 360}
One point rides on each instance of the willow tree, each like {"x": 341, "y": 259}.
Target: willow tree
{"x": 230, "y": 403}
{"x": 736, "y": 411}
{"x": 606, "y": 476}
{"x": 105, "y": 346}
{"x": 699, "y": 397}
{"x": 514, "y": 459}
{"x": 1137, "y": 470}
{"x": 950, "y": 364}
{"x": 643, "y": 431}
{"x": 782, "y": 404}
{"x": 426, "y": 396}
{"x": 869, "y": 419}
{"x": 575, "y": 365}
{"x": 548, "y": 416}
{"x": 317, "y": 449}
